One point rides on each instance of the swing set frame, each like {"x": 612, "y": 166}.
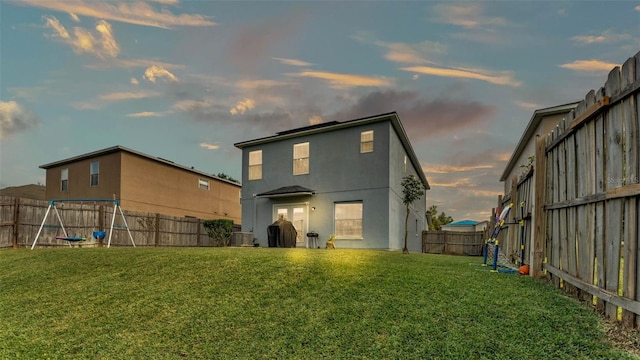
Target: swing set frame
{"x": 52, "y": 205}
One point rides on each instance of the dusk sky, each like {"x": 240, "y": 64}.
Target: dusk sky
{"x": 185, "y": 80}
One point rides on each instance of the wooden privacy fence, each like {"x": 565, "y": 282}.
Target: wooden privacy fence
{"x": 588, "y": 196}
{"x": 515, "y": 238}
{"x": 21, "y": 218}
{"x": 453, "y": 243}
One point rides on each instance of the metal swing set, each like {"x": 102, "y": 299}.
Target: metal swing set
{"x": 98, "y": 234}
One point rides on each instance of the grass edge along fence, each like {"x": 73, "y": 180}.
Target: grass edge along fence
{"x": 20, "y": 219}
{"x": 586, "y": 212}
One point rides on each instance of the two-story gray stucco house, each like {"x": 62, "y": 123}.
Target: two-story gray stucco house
{"x": 339, "y": 178}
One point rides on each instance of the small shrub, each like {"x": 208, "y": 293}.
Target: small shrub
{"x": 219, "y": 230}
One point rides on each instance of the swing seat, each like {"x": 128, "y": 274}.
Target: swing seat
{"x": 70, "y": 238}
{"x": 99, "y": 235}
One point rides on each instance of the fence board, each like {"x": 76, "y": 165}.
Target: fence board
{"x": 614, "y": 172}
{"x": 631, "y": 167}
{"x": 453, "y": 243}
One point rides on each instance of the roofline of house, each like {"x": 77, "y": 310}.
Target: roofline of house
{"x": 332, "y": 126}
{"x": 118, "y": 148}
{"x": 535, "y": 120}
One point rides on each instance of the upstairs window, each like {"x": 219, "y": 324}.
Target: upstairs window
{"x": 255, "y": 165}
{"x": 95, "y": 173}
{"x": 203, "y": 184}
{"x": 301, "y": 158}
{"x": 366, "y": 141}
{"x": 64, "y": 180}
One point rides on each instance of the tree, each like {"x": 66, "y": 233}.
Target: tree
{"x": 437, "y": 220}
{"x": 412, "y": 190}
{"x": 227, "y": 177}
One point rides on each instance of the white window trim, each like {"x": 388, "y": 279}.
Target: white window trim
{"x": 91, "y": 174}
{"x": 257, "y": 165}
{"x": 203, "y": 184}
{"x": 297, "y": 158}
{"x": 349, "y": 237}
{"x": 363, "y": 142}
{"x": 63, "y": 178}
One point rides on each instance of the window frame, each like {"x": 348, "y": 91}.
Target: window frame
{"x": 366, "y": 144}
{"x": 337, "y": 228}
{"x": 96, "y": 174}
{"x": 203, "y": 184}
{"x": 254, "y": 170}
{"x": 301, "y": 161}
{"x": 64, "y": 180}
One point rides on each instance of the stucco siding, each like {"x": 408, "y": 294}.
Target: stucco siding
{"x": 150, "y": 186}
{"x": 79, "y": 179}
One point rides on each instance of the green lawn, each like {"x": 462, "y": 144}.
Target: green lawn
{"x": 258, "y": 303}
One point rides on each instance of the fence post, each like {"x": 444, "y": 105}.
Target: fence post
{"x": 16, "y": 221}
{"x": 538, "y": 212}
{"x": 157, "y": 235}
{"x": 101, "y": 223}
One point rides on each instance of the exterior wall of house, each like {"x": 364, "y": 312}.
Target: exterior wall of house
{"x": 145, "y": 185}
{"x": 459, "y": 228}
{"x": 79, "y": 179}
{"x": 547, "y": 124}
{"x": 400, "y": 166}
{"x": 151, "y": 186}
{"x": 338, "y": 172}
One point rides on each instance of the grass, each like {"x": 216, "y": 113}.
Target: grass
{"x": 223, "y": 303}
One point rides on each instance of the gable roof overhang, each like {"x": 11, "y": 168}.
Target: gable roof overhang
{"x": 336, "y": 125}
{"x": 287, "y": 191}
{"x": 118, "y": 148}
{"x": 535, "y": 120}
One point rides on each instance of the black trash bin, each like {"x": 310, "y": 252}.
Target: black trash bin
{"x": 273, "y": 233}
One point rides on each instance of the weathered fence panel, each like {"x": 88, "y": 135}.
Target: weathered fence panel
{"x": 453, "y": 243}
{"x": 589, "y": 231}
{"x": 21, "y": 218}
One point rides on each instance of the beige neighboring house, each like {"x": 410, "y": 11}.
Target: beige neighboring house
{"x": 542, "y": 122}
{"x": 143, "y": 183}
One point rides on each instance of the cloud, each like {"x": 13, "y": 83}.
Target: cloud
{"x": 118, "y": 96}
{"x": 14, "y": 119}
{"x": 493, "y": 77}
{"x": 293, "y": 62}
{"x": 74, "y": 17}
{"x": 467, "y": 15}
{"x": 404, "y": 53}
{"x": 257, "y": 41}
{"x": 637, "y": 8}
{"x": 426, "y": 118}
{"x": 256, "y": 84}
{"x": 134, "y": 81}
{"x": 138, "y": 13}
{"x": 527, "y": 105}
{"x": 146, "y": 114}
{"x": 589, "y": 66}
{"x": 242, "y": 106}
{"x": 133, "y": 63}
{"x": 345, "y": 81}
{"x": 209, "y": 146}
{"x": 448, "y": 168}
{"x": 316, "y": 119}
{"x": 154, "y": 72}
{"x": 102, "y": 45}
{"x": 607, "y": 36}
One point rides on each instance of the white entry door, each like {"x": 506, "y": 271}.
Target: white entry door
{"x": 297, "y": 214}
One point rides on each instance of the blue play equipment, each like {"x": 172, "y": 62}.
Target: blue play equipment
{"x": 97, "y": 234}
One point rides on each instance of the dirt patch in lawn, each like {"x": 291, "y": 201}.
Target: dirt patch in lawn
{"x": 622, "y": 337}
